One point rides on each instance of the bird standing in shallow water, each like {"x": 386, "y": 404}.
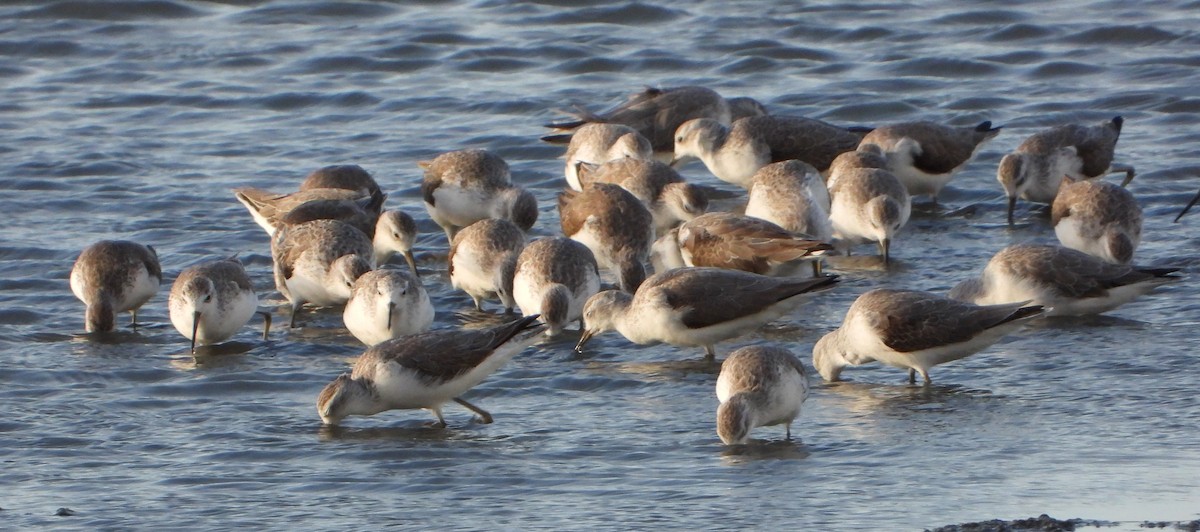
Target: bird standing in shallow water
{"x": 759, "y": 386}
{"x": 1065, "y": 281}
{"x": 211, "y": 301}
{"x": 614, "y": 225}
{"x": 925, "y": 155}
{"x": 1034, "y": 170}
{"x": 695, "y": 306}
{"x": 113, "y": 276}
{"x": 386, "y": 304}
{"x": 465, "y": 186}
{"x": 1097, "y": 218}
{"x": 914, "y": 331}
{"x": 424, "y": 371}
{"x": 598, "y": 143}
{"x": 868, "y": 204}
{"x": 317, "y": 262}
{"x": 554, "y": 277}
{"x": 482, "y": 256}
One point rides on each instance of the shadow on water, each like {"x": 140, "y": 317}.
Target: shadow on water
{"x": 411, "y": 430}
{"x": 780, "y": 449}
{"x": 902, "y": 398}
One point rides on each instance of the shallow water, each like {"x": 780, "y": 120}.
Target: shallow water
{"x": 133, "y": 120}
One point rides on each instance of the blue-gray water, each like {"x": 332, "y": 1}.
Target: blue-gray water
{"x": 133, "y": 120}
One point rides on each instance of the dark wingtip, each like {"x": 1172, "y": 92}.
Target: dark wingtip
{"x": 1025, "y": 312}
{"x": 565, "y": 125}
{"x": 557, "y": 139}
{"x": 986, "y": 126}
{"x": 1159, "y": 272}
{"x": 1118, "y": 121}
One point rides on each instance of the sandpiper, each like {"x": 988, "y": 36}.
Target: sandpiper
{"x": 660, "y": 188}
{"x": 481, "y": 256}
{"x": 465, "y": 186}
{"x": 695, "y": 306}
{"x": 1065, "y": 281}
{"x": 726, "y": 240}
{"x": 733, "y": 154}
{"x": 317, "y": 262}
{"x": 211, "y": 301}
{"x": 1097, "y": 218}
{"x": 600, "y": 143}
{"x": 614, "y": 225}
{"x": 869, "y": 205}
{"x": 344, "y": 176}
{"x": 554, "y": 277}
{"x": 271, "y": 209}
{"x": 113, "y": 276}
{"x": 925, "y": 155}
{"x": 1034, "y": 170}
{"x": 915, "y": 331}
{"x": 656, "y": 114}
{"x": 792, "y": 195}
{"x": 424, "y": 371}
{"x": 386, "y": 304}
{"x": 759, "y": 386}
{"x": 395, "y": 232}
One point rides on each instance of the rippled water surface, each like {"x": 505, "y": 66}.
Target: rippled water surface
{"x": 133, "y": 120}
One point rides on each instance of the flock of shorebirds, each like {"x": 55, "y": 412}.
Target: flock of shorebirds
{"x": 814, "y": 189}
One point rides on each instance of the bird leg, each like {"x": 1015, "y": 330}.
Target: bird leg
{"x": 912, "y": 376}
{"x": 295, "y": 308}
{"x": 484, "y": 417}
{"x": 134, "y": 323}
{"x": 1127, "y": 169}
{"x": 710, "y": 353}
{"x": 441, "y": 422}
{"x": 266, "y": 322}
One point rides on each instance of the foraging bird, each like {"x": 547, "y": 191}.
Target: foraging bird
{"x": 695, "y": 306}
{"x": 868, "y": 205}
{"x": 614, "y": 225}
{"x": 1034, "y": 170}
{"x": 211, "y": 301}
{"x": 113, "y": 276}
{"x": 317, "y": 262}
{"x": 925, "y": 155}
{"x": 344, "y": 176}
{"x": 759, "y": 386}
{"x": 465, "y": 186}
{"x": 915, "y": 330}
{"x": 482, "y": 256}
{"x": 424, "y": 371}
{"x": 1097, "y": 218}
{"x": 725, "y": 240}
{"x": 1065, "y": 281}
{"x": 600, "y": 143}
{"x": 733, "y": 154}
{"x": 553, "y": 278}
{"x": 792, "y": 195}
{"x": 659, "y": 187}
{"x": 386, "y": 304}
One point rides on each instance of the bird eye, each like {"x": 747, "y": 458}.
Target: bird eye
{"x": 679, "y": 138}
{"x": 396, "y": 236}
{"x": 208, "y": 298}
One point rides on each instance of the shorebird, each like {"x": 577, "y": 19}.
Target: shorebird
{"x": 465, "y": 186}
{"x": 869, "y": 205}
{"x": 865, "y": 156}
{"x": 395, "y": 232}
{"x": 614, "y": 225}
{"x": 745, "y": 107}
{"x": 792, "y": 195}
{"x": 925, "y": 155}
{"x": 656, "y": 114}
{"x": 344, "y": 176}
{"x": 554, "y": 277}
{"x": 659, "y": 187}
{"x": 725, "y": 240}
{"x": 915, "y": 331}
{"x": 1065, "y": 281}
{"x": 317, "y": 262}
{"x": 113, "y": 276}
{"x": 386, "y": 304}
{"x": 759, "y": 386}
{"x": 424, "y": 371}
{"x": 733, "y": 154}
{"x": 1034, "y": 170}
{"x": 695, "y": 306}
{"x": 271, "y": 209}
{"x": 211, "y": 301}
{"x": 482, "y": 256}
{"x": 600, "y": 143}
{"x": 1097, "y": 218}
